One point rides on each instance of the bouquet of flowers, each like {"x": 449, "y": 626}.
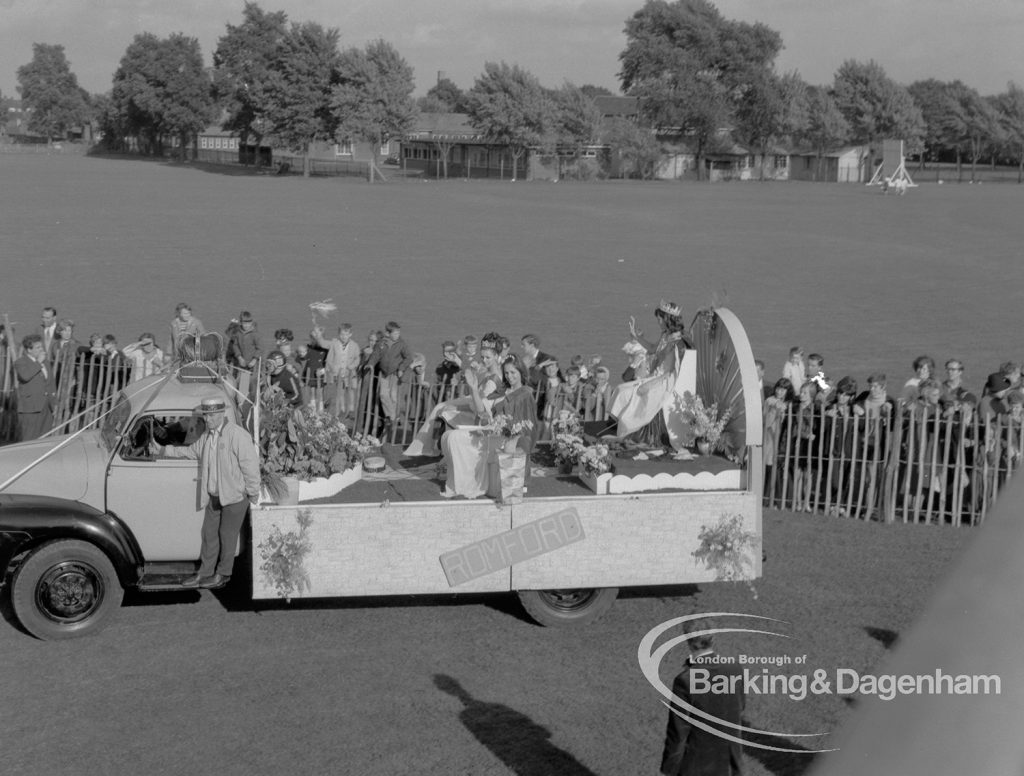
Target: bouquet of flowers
{"x": 706, "y": 422}
{"x": 504, "y": 426}
{"x": 567, "y": 437}
{"x": 595, "y": 460}
{"x": 727, "y": 549}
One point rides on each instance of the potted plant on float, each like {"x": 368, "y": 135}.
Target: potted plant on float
{"x": 306, "y": 453}
{"x": 706, "y": 423}
{"x": 594, "y": 461}
{"x": 567, "y": 440}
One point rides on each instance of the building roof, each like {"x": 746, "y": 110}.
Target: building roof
{"x": 612, "y": 105}
{"x": 455, "y": 126}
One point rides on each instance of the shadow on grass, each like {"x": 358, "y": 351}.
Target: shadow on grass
{"x": 887, "y": 638}
{"x": 779, "y": 763}
{"x": 515, "y": 739}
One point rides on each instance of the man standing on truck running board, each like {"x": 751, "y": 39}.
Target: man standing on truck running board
{"x": 229, "y": 480}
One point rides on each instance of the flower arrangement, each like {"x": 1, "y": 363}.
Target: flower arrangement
{"x": 504, "y": 426}
{"x": 727, "y": 549}
{"x": 706, "y": 422}
{"x": 567, "y": 437}
{"x": 283, "y": 555}
{"x": 304, "y": 443}
{"x": 595, "y": 460}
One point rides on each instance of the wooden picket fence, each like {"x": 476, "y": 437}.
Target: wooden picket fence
{"x": 915, "y": 465}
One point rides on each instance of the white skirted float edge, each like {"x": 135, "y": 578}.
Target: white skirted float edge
{"x": 395, "y": 548}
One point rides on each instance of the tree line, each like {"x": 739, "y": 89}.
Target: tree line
{"x": 693, "y": 72}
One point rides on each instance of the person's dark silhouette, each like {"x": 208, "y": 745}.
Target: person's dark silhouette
{"x": 515, "y": 739}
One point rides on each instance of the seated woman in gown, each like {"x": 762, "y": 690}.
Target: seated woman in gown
{"x": 647, "y": 409}
{"x": 458, "y": 411}
{"x": 466, "y": 451}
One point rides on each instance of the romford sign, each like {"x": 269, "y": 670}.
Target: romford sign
{"x": 502, "y": 550}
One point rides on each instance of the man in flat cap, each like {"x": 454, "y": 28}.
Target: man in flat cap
{"x": 229, "y": 480}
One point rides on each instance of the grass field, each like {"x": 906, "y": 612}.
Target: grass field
{"x": 182, "y": 684}
{"x": 870, "y": 281}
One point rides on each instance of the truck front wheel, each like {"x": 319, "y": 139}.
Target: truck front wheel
{"x": 65, "y": 589}
{"x": 568, "y": 607}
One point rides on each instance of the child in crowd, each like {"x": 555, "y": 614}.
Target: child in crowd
{"x": 580, "y": 363}
{"x": 592, "y": 364}
{"x": 638, "y": 367}
{"x": 816, "y": 374}
{"x": 468, "y": 351}
{"x": 794, "y": 369}
{"x": 570, "y": 393}
{"x": 597, "y": 394}
{"x": 448, "y": 374}
{"x": 110, "y": 345}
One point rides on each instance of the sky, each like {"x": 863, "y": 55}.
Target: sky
{"x": 557, "y": 40}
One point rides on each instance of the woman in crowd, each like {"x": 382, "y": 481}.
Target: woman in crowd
{"x": 647, "y": 409}
{"x": 466, "y": 449}
{"x": 776, "y": 416}
{"x": 840, "y": 422}
{"x": 808, "y": 452}
{"x": 924, "y": 368}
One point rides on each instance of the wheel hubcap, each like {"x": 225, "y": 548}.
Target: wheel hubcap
{"x": 69, "y": 592}
{"x": 568, "y": 600}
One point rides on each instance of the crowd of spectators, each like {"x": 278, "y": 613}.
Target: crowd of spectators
{"x": 330, "y": 368}
{"x": 803, "y": 381}
{"x": 812, "y": 418}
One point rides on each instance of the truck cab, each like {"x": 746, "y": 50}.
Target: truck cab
{"x": 84, "y": 516}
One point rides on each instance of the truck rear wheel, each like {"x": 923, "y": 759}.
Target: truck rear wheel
{"x": 568, "y": 607}
{"x": 65, "y": 589}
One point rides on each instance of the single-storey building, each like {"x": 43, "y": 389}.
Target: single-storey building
{"x": 842, "y": 165}
{"x": 446, "y": 145}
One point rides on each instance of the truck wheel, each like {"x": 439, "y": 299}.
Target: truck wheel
{"x": 65, "y": 589}
{"x": 568, "y": 607}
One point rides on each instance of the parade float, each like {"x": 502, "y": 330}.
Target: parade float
{"x": 85, "y": 516}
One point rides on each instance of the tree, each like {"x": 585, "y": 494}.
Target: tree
{"x": 373, "y": 99}
{"x": 577, "y": 120}
{"x": 298, "y": 95}
{"x": 688, "y": 66}
{"x": 933, "y": 99}
{"x": 773, "y": 107}
{"x": 430, "y": 104}
{"x": 49, "y": 88}
{"x": 875, "y": 106}
{"x": 447, "y": 93}
{"x": 826, "y": 126}
{"x": 1010, "y": 106}
{"x": 243, "y": 71}
{"x": 161, "y": 88}
{"x": 974, "y": 124}
{"x": 510, "y": 107}
{"x": 592, "y": 91}
{"x": 637, "y": 147}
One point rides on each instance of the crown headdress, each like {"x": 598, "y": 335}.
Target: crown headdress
{"x": 669, "y": 308}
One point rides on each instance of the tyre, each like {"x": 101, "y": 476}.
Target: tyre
{"x": 65, "y": 589}
{"x": 568, "y": 607}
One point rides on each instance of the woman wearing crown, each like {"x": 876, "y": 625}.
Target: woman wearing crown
{"x": 648, "y": 410}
